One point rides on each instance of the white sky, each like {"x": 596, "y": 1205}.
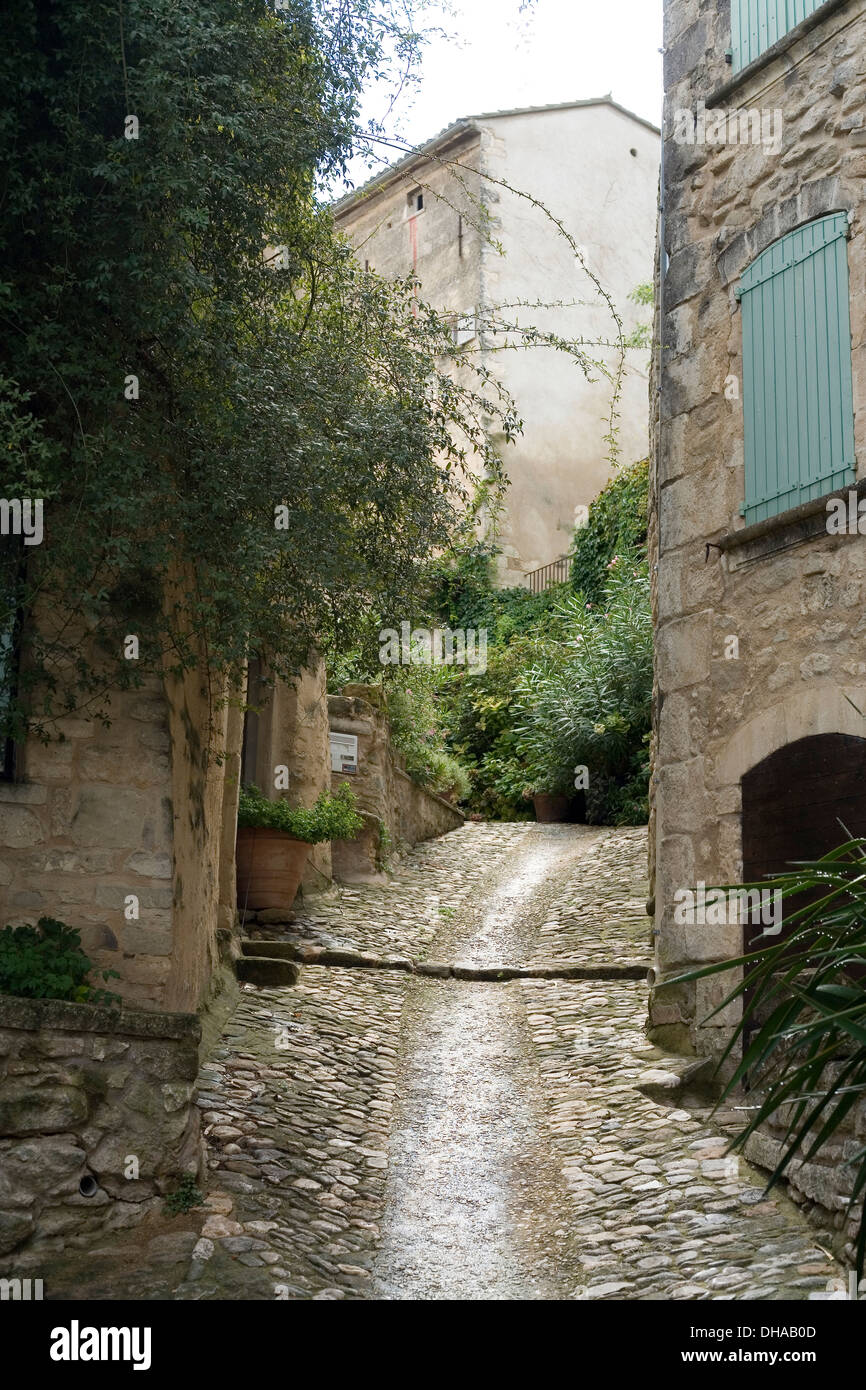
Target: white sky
{"x": 559, "y": 50}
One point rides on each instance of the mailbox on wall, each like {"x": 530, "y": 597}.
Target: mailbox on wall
{"x": 344, "y": 752}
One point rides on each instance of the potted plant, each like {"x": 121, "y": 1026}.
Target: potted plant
{"x": 274, "y": 840}
{"x": 550, "y": 807}
{"x": 549, "y": 790}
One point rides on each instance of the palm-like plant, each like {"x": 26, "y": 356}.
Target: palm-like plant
{"x": 805, "y": 998}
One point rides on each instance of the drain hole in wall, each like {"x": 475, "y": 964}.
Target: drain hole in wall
{"x": 88, "y": 1187}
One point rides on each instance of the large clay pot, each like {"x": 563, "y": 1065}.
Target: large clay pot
{"x": 550, "y": 807}
{"x": 270, "y": 866}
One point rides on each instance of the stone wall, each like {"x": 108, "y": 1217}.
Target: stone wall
{"x": 789, "y": 592}
{"x": 89, "y": 823}
{"x": 87, "y": 1093}
{"x": 397, "y": 811}
{"x": 823, "y": 1184}
{"x": 292, "y": 732}
{"x": 118, "y": 831}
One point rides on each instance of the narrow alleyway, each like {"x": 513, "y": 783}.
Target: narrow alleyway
{"x": 391, "y": 1134}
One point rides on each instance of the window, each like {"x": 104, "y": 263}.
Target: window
{"x": 10, "y": 627}
{"x": 464, "y": 328}
{"x": 415, "y": 202}
{"x": 757, "y": 24}
{"x": 798, "y": 402}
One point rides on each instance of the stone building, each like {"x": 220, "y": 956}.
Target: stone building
{"x": 127, "y": 833}
{"x": 760, "y": 444}
{"x": 592, "y": 165}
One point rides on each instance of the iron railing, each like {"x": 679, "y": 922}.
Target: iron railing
{"x": 558, "y": 572}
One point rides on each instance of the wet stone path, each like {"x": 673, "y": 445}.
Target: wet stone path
{"x": 389, "y": 1134}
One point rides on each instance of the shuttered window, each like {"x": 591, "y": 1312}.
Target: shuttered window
{"x": 798, "y": 403}
{"x": 757, "y": 24}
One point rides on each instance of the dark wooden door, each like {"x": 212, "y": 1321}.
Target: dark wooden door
{"x": 799, "y": 803}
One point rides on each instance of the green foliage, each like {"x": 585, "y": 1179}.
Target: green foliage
{"x": 641, "y": 336}
{"x": 480, "y": 713}
{"x": 297, "y": 382}
{"x": 806, "y": 1059}
{"x": 416, "y": 717}
{"x": 585, "y": 700}
{"x": 333, "y": 817}
{"x": 476, "y": 706}
{"x": 462, "y": 594}
{"x": 47, "y": 962}
{"x": 185, "y": 1196}
{"x": 617, "y": 524}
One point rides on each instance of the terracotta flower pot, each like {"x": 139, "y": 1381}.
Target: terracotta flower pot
{"x": 270, "y": 866}
{"x": 550, "y": 807}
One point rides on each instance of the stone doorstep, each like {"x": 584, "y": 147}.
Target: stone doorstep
{"x": 266, "y": 971}
{"x": 305, "y": 954}
{"x": 674, "y": 1075}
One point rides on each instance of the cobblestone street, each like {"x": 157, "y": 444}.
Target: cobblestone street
{"x": 422, "y": 1129}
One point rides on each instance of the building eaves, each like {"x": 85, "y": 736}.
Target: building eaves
{"x": 468, "y": 125}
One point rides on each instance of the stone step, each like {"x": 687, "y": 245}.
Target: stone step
{"x": 308, "y": 954}
{"x": 268, "y": 972}
{"x": 280, "y": 950}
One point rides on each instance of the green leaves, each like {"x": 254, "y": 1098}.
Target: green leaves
{"x": 805, "y": 997}
{"x": 617, "y": 524}
{"x": 585, "y": 699}
{"x": 334, "y": 817}
{"x": 47, "y": 962}
{"x": 314, "y": 386}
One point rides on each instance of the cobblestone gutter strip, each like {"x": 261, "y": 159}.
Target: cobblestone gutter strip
{"x": 323, "y": 955}
{"x": 436, "y": 880}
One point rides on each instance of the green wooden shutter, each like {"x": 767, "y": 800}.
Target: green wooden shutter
{"x": 798, "y": 399}
{"x": 757, "y": 24}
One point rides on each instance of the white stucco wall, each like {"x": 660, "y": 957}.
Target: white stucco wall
{"x": 577, "y": 162}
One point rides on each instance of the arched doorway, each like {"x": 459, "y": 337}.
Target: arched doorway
{"x": 799, "y": 803}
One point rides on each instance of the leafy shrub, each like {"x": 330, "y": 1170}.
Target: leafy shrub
{"x": 185, "y": 1196}
{"x": 477, "y": 707}
{"x": 807, "y": 998}
{"x": 464, "y": 596}
{"x": 448, "y": 777}
{"x": 617, "y": 525}
{"x": 480, "y": 712}
{"x": 333, "y": 817}
{"x": 416, "y": 716}
{"x": 586, "y": 700}
{"x": 47, "y": 962}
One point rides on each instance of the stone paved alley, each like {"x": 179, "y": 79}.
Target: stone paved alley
{"x": 390, "y": 1134}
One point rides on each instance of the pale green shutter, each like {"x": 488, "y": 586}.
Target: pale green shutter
{"x": 757, "y": 24}
{"x": 798, "y": 400}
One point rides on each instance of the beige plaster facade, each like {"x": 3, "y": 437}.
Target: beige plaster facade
{"x": 594, "y": 167}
